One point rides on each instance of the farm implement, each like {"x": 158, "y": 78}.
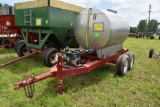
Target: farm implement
{"x": 96, "y": 37}
{"x": 99, "y": 42}
{"x": 40, "y": 31}
{"x": 51, "y": 26}
{"x": 9, "y": 33}
{"x": 158, "y": 33}
{"x": 144, "y": 34}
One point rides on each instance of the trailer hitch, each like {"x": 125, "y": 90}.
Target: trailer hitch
{"x": 28, "y": 85}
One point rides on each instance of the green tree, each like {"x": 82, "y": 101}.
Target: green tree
{"x": 1, "y": 5}
{"x": 142, "y": 26}
{"x": 133, "y": 29}
{"x": 153, "y": 25}
{"x": 6, "y": 5}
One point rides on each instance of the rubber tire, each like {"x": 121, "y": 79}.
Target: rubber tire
{"x": 46, "y": 56}
{"x": 130, "y": 59}
{"x": 120, "y": 65}
{"x": 151, "y": 51}
{"x": 4, "y": 41}
{"x": 1, "y": 41}
{"x": 66, "y": 49}
{"x": 20, "y": 48}
{"x": 152, "y": 37}
{"x": 159, "y": 37}
{"x": 18, "y": 43}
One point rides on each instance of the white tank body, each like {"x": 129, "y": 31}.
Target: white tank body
{"x": 96, "y": 29}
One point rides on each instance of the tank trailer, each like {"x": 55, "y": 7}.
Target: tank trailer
{"x": 100, "y": 36}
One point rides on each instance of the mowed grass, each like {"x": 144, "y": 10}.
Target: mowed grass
{"x": 99, "y": 88}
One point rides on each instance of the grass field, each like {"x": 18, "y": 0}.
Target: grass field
{"x": 99, "y": 88}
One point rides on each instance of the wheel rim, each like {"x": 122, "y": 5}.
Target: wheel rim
{"x": 25, "y": 51}
{"x": 125, "y": 66}
{"x": 53, "y": 58}
{"x": 132, "y": 61}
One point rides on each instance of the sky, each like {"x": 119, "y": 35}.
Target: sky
{"x": 132, "y": 10}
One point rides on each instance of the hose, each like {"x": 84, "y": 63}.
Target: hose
{"x": 87, "y": 26}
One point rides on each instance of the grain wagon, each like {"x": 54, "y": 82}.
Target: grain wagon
{"x": 51, "y": 25}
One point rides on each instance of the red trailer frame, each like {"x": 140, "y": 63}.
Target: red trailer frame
{"x": 7, "y": 28}
{"x": 62, "y": 69}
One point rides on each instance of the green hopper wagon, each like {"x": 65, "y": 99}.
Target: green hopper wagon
{"x": 46, "y": 26}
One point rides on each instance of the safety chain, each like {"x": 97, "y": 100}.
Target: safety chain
{"x": 29, "y": 88}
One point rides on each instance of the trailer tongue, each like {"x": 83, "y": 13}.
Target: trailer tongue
{"x": 16, "y": 60}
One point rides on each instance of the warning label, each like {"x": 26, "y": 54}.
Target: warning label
{"x": 98, "y": 26}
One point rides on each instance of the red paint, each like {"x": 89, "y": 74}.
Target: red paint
{"x": 59, "y": 74}
{"x": 8, "y": 30}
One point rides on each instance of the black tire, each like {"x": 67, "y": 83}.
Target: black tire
{"x": 159, "y": 37}
{"x": 1, "y": 41}
{"x": 18, "y": 42}
{"x": 122, "y": 65}
{"x": 47, "y": 57}
{"x": 151, "y": 51}
{"x": 131, "y": 60}
{"x": 152, "y": 37}
{"x": 4, "y": 42}
{"x": 21, "y": 50}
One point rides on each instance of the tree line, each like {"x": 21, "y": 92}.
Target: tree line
{"x": 4, "y": 5}
{"x": 143, "y": 26}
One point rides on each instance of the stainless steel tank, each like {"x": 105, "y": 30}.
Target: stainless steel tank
{"x": 96, "y": 29}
